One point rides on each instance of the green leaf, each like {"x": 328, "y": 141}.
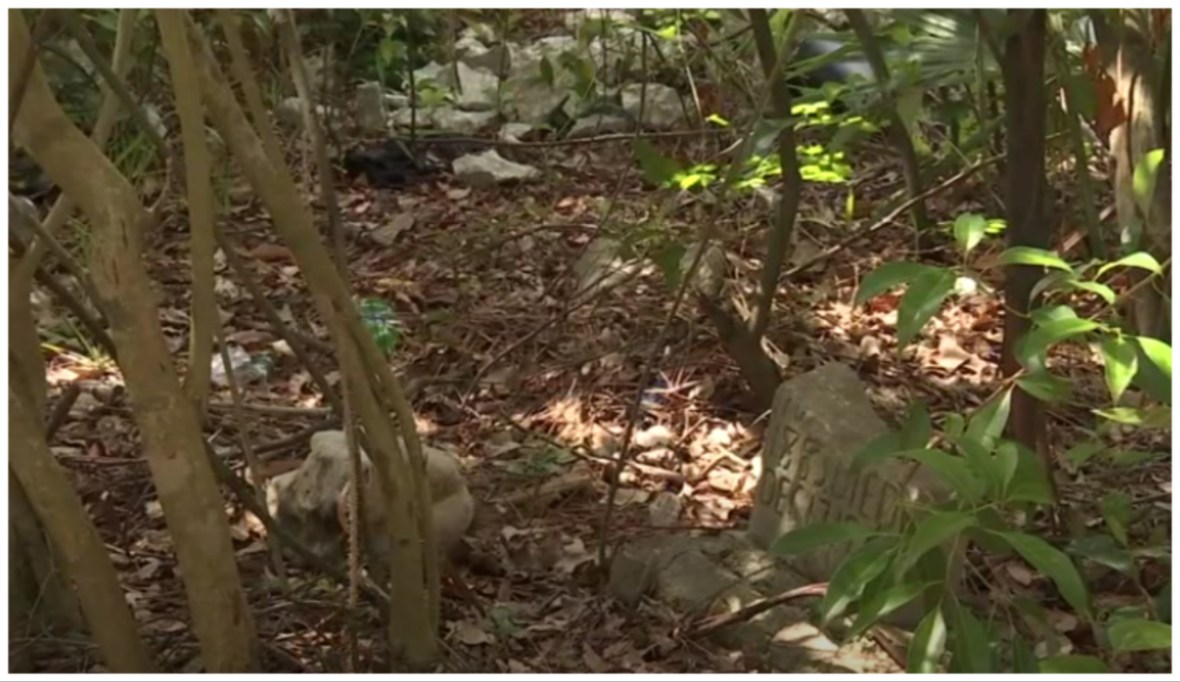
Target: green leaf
{"x": 547, "y": 75}
{"x": 1031, "y": 481}
{"x": 887, "y": 277}
{"x": 1054, "y": 563}
{"x": 1140, "y": 259}
{"x": 1116, "y": 511}
{"x": 668, "y": 259}
{"x": 717, "y": 119}
{"x": 819, "y": 535}
{"x": 1159, "y": 416}
{"x": 952, "y": 469}
{"x": 1072, "y": 664}
{"x": 1101, "y": 549}
{"x": 1044, "y": 386}
{"x": 1007, "y": 460}
{"x": 1104, "y": 292}
{"x": 986, "y": 425}
{"x": 928, "y": 644}
{"x": 850, "y": 205}
{"x": 884, "y": 603}
{"x": 1120, "y": 362}
{"x": 1163, "y": 602}
{"x": 657, "y": 169}
{"x": 921, "y": 301}
{"x": 1050, "y": 313}
{"x": 1082, "y": 452}
{"x": 1023, "y": 658}
{"x": 972, "y": 652}
{"x": 1136, "y": 634}
{"x": 879, "y": 448}
{"x": 1027, "y": 255}
{"x": 853, "y": 574}
{"x": 1143, "y": 180}
{"x": 1032, "y": 351}
{"x": 915, "y": 432}
{"x": 969, "y": 230}
{"x": 931, "y": 532}
{"x": 953, "y": 425}
{"x": 1158, "y": 352}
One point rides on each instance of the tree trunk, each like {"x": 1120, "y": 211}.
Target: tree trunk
{"x": 1147, "y": 222}
{"x": 374, "y": 389}
{"x": 167, "y": 420}
{"x": 75, "y": 539}
{"x": 1025, "y": 196}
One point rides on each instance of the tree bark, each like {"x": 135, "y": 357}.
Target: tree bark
{"x": 375, "y": 391}
{"x": 168, "y": 423}
{"x": 200, "y": 204}
{"x": 1025, "y": 196}
{"x": 77, "y": 542}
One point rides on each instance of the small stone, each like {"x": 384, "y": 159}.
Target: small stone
{"x": 488, "y": 169}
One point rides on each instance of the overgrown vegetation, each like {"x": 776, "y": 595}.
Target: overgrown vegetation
{"x": 1006, "y": 171}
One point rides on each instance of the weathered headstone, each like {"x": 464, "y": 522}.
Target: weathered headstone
{"x": 820, "y": 420}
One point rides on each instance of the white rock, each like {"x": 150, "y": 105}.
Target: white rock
{"x": 488, "y": 168}
{"x": 472, "y": 52}
{"x": 396, "y": 100}
{"x": 712, "y": 270}
{"x": 441, "y": 76}
{"x": 512, "y": 132}
{"x": 656, "y": 436}
{"x": 601, "y": 266}
{"x": 662, "y": 108}
{"x": 463, "y": 122}
{"x": 664, "y": 509}
{"x": 478, "y": 89}
{"x": 370, "y": 107}
{"x": 600, "y": 124}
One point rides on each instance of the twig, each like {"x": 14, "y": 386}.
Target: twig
{"x": 16, "y": 96}
{"x": 276, "y": 553}
{"x": 298, "y": 437}
{"x": 569, "y": 142}
{"x": 283, "y": 410}
{"x": 294, "y": 340}
{"x": 62, "y": 409}
{"x": 715, "y": 623}
{"x": 892, "y": 216}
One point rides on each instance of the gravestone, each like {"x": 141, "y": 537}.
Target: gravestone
{"x": 819, "y": 421}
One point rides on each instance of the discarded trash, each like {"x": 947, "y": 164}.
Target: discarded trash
{"x": 247, "y": 369}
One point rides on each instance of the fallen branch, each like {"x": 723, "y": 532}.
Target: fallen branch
{"x": 570, "y": 142}
{"x": 712, "y": 624}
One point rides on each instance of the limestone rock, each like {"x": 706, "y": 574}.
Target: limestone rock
{"x": 662, "y": 108}
{"x": 602, "y": 266}
{"x": 478, "y": 88}
{"x": 600, "y": 124}
{"x": 462, "y": 122}
{"x": 312, "y": 500}
{"x": 370, "y": 107}
{"x": 488, "y": 169}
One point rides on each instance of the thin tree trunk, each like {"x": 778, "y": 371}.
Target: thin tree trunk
{"x": 414, "y": 632}
{"x": 200, "y": 205}
{"x": 1025, "y": 196}
{"x": 898, "y": 132}
{"x": 169, "y": 426}
{"x": 73, "y": 535}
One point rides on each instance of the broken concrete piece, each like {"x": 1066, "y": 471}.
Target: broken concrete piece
{"x": 696, "y": 575}
{"x": 370, "y": 107}
{"x": 820, "y": 420}
{"x": 312, "y": 500}
{"x": 488, "y": 168}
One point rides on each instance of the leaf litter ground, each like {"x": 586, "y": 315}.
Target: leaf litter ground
{"x": 534, "y": 398}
